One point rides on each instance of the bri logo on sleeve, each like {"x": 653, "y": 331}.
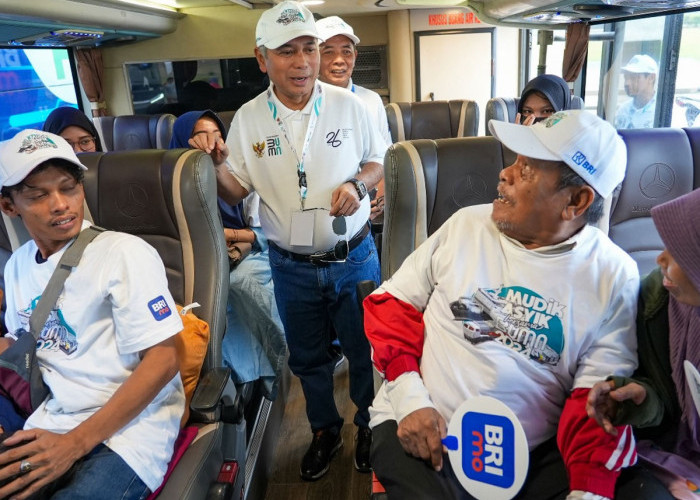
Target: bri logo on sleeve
{"x": 159, "y": 308}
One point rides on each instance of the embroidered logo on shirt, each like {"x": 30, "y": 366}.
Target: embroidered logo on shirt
{"x": 34, "y": 142}
{"x": 259, "y": 148}
{"x": 274, "y": 146}
{"x": 332, "y": 138}
{"x": 515, "y": 316}
{"x": 159, "y": 308}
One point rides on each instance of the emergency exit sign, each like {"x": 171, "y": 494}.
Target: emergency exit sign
{"x": 452, "y": 19}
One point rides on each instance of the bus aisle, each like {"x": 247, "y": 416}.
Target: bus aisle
{"x": 342, "y": 482}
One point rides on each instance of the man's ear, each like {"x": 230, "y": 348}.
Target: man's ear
{"x": 261, "y": 60}
{"x": 8, "y": 206}
{"x": 581, "y": 197}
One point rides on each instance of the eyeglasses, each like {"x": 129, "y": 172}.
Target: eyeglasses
{"x": 84, "y": 143}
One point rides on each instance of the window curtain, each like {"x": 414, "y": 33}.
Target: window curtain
{"x": 91, "y": 74}
{"x": 575, "y": 51}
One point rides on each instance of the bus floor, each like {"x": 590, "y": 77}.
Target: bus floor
{"x": 342, "y": 481}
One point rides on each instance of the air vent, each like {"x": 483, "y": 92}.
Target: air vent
{"x": 59, "y": 38}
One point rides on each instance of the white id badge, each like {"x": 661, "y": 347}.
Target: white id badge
{"x": 302, "y": 233}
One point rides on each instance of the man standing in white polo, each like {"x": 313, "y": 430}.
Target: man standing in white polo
{"x": 308, "y": 150}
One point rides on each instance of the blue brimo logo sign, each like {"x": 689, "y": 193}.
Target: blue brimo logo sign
{"x": 487, "y": 448}
{"x": 490, "y": 455}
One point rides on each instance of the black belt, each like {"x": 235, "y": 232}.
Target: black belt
{"x": 319, "y": 258}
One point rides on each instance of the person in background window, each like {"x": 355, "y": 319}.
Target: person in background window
{"x": 254, "y": 346}
{"x": 640, "y": 84}
{"x": 661, "y": 399}
{"x": 543, "y": 96}
{"x": 76, "y": 128}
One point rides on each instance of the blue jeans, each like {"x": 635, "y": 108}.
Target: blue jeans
{"x": 309, "y": 298}
{"x": 254, "y": 345}
{"x": 100, "y": 474}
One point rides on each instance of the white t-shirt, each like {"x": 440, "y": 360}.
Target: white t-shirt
{"x": 263, "y": 161}
{"x": 375, "y": 106}
{"x": 114, "y": 304}
{"x": 566, "y": 315}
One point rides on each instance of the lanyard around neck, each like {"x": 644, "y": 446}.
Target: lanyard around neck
{"x": 316, "y": 109}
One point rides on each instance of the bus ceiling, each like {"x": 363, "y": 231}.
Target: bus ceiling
{"x": 79, "y": 23}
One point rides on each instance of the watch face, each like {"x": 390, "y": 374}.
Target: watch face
{"x": 362, "y": 189}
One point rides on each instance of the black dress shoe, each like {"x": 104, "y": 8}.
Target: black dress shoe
{"x": 364, "y": 441}
{"x": 317, "y": 459}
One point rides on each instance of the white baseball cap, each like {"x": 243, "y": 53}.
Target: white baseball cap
{"x": 27, "y": 149}
{"x": 329, "y": 27}
{"x": 641, "y": 63}
{"x": 589, "y": 145}
{"x": 282, "y": 23}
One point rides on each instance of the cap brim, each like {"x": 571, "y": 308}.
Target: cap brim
{"x": 521, "y": 139}
{"x": 279, "y": 40}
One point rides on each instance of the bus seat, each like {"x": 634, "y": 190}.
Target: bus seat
{"x": 694, "y": 137}
{"x": 227, "y": 118}
{"x": 505, "y": 108}
{"x": 123, "y": 133}
{"x": 432, "y": 119}
{"x": 660, "y": 167}
{"x": 168, "y": 198}
{"x": 426, "y": 181}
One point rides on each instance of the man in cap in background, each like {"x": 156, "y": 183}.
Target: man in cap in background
{"x": 107, "y": 351}
{"x": 309, "y": 151}
{"x": 559, "y": 300}
{"x": 640, "y": 75}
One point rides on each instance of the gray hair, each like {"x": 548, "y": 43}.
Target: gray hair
{"x": 569, "y": 178}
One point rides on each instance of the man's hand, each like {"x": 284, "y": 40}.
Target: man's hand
{"x": 213, "y": 145}
{"x": 50, "y": 456}
{"x": 344, "y": 200}
{"x": 421, "y": 432}
{"x": 377, "y": 207}
{"x": 603, "y": 401}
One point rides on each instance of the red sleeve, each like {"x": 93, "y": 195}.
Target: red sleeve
{"x": 593, "y": 458}
{"x": 396, "y": 331}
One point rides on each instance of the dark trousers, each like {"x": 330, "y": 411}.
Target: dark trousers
{"x": 404, "y": 476}
{"x": 309, "y": 299}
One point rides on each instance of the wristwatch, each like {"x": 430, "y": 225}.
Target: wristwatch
{"x": 360, "y": 187}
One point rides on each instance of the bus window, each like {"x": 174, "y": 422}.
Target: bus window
{"x": 33, "y": 82}
{"x": 555, "y": 52}
{"x": 686, "y": 101}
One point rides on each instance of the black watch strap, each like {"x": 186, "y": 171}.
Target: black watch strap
{"x": 360, "y": 187}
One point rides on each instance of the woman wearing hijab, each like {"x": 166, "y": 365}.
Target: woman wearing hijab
{"x": 75, "y": 128}
{"x": 662, "y": 399}
{"x": 254, "y": 345}
{"x": 542, "y": 96}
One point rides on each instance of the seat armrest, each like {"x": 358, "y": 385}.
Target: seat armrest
{"x": 215, "y": 395}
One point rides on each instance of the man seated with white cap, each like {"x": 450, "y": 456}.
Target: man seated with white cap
{"x": 640, "y": 84}
{"x": 309, "y": 151}
{"x": 107, "y": 350}
{"x": 560, "y": 301}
